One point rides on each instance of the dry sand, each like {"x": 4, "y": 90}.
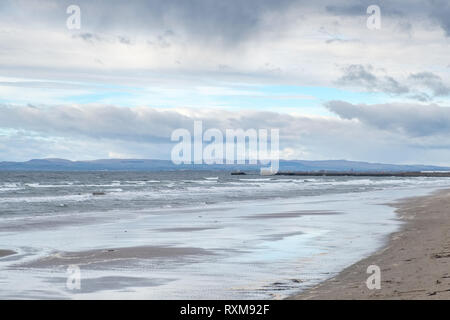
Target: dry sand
{"x": 415, "y": 264}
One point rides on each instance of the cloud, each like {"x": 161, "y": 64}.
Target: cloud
{"x": 94, "y": 121}
{"x": 384, "y": 133}
{"x": 228, "y": 21}
{"x": 214, "y": 54}
{"x": 89, "y": 37}
{"x": 422, "y": 86}
{"x": 359, "y": 75}
{"x": 440, "y": 11}
{"x": 102, "y": 130}
{"x": 258, "y": 41}
{"x": 356, "y": 7}
{"x": 406, "y": 119}
{"x": 437, "y": 11}
{"x": 432, "y": 82}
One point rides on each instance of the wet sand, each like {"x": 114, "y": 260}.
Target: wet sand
{"x": 111, "y": 255}
{"x": 415, "y": 264}
{"x": 292, "y": 214}
{"x": 4, "y": 253}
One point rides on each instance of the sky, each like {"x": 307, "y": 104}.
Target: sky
{"x": 135, "y": 71}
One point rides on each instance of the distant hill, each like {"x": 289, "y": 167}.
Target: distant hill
{"x": 167, "y": 165}
{"x": 358, "y": 166}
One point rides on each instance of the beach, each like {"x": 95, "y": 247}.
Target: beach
{"x": 195, "y": 235}
{"x": 415, "y": 263}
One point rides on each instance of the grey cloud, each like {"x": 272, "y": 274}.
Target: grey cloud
{"x": 422, "y": 97}
{"x": 385, "y": 133}
{"x": 432, "y": 82}
{"x": 359, "y": 75}
{"x": 99, "y": 122}
{"x": 405, "y": 26}
{"x": 409, "y": 119}
{"x": 414, "y": 11}
{"x": 352, "y": 9}
{"x": 225, "y": 20}
{"x": 337, "y": 40}
{"x": 393, "y": 86}
{"x": 94, "y": 38}
{"x": 192, "y": 24}
{"x": 359, "y": 7}
{"x": 141, "y": 124}
{"x": 440, "y": 12}
{"x": 148, "y": 124}
{"x": 153, "y": 125}
{"x": 364, "y": 76}
{"x": 89, "y": 37}
{"x": 163, "y": 40}
{"x": 144, "y": 131}
{"x": 124, "y": 40}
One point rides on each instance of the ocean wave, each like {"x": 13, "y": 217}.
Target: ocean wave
{"x": 47, "y": 199}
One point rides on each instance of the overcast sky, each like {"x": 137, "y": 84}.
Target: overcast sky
{"x": 137, "y": 70}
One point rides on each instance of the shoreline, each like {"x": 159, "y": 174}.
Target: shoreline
{"x": 414, "y": 263}
{"x": 116, "y": 267}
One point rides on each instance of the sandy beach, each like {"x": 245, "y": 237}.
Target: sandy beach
{"x": 274, "y": 238}
{"x": 415, "y": 263}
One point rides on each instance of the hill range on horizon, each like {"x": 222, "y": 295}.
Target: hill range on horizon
{"x": 50, "y": 164}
